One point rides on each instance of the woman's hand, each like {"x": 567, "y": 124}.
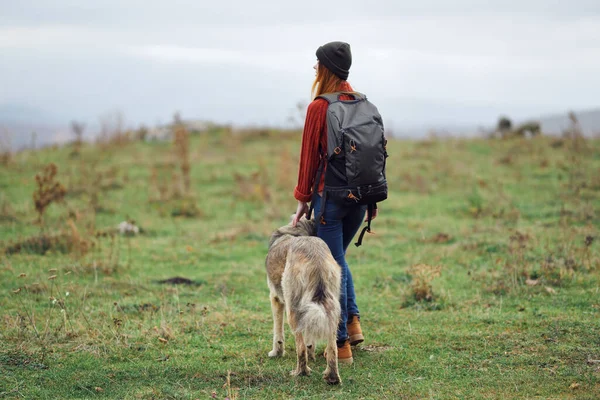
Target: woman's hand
{"x": 301, "y": 210}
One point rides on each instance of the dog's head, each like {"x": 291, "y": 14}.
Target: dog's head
{"x": 304, "y": 227}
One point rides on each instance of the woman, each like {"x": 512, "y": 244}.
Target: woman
{"x": 333, "y": 64}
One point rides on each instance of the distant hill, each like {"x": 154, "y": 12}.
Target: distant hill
{"x": 18, "y": 122}
{"x": 20, "y": 135}
{"x": 556, "y": 124}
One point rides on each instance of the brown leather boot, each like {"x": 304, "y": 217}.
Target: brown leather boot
{"x": 345, "y": 354}
{"x": 354, "y": 331}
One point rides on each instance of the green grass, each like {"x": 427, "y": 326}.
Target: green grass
{"x": 511, "y": 211}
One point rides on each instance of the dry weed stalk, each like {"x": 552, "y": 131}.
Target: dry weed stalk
{"x": 77, "y": 128}
{"x": 104, "y": 260}
{"x": 254, "y": 187}
{"x": 576, "y": 169}
{"x": 79, "y": 245}
{"x": 7, "y": 213}
{"x": 142, "y": 133}
{"x": 112, "y": 131}
{"x": 230, "y": 139}
{"x": 5, "y": 147}
{"x": 587, "y": 252}
{"x": 285, "y": 175}
{"x": 575, "y": 134}
{"x": 422, "y": 276}
{"x": 162, "y": 178}
{"x": 517, "y": 248}
{"x": 48, "y": 190}
{"x": 5, "y": 157}
{"x": 182, "y": 150}
{"x": 231, "y": 392}
{"x": 53, "y": 322}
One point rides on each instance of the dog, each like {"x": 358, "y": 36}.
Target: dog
{"x": 304, "y": 278}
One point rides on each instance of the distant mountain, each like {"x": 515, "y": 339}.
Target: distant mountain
{"x": 556, "y": 124}
{"x": 16, "y": 112}
{"x": 22, "y": 126}
{"x": 21, "y": 135}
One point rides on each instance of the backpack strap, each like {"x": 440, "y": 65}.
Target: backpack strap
{"x": 335, "y": 97}
{"x": 319, "y": 216}
{"x": 318, "y": 176}
{"x": 330, "y": 97}
{"x": 370, "y": 209}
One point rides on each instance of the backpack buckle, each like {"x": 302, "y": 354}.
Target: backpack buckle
{"x": 352, "y": 146}
{"x": 351, "y": 196}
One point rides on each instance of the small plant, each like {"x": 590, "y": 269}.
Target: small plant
{"x": 63, "y": 242}
{"x": 575, "y": 134}
{"x": 587, "y": 252}
{"x": 48, "y": 190}
{"x": 186, "y": 207}
{"x": 106, "y": 260}
{"x": 39, "y": 244}
{"x": 254, "y": 187}
{"x": 78, "y": 245}
{"x": 475, "y": 201}
{"x": 112, "y": 131}
{"x": 142, "y": 133}
{"x": 517, "y": 266}
{"x": 5, "y": 157}
{"x": 5, "y": 147}
{"x": 7, "y": 213}
{"x": 164, "y": 183}
{"x": 57, "y": 317}
{"x": 230, "y": 139}
{"x": 422, "y": 276}
{"x": 232, "y": 392}
{"x": 77, "y": 128}
{"x": 182, "y": 151}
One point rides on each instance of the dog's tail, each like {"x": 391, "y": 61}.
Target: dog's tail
{"x": 318, "y": 313}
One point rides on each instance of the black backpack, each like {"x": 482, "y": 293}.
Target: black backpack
{"x": 356, "y": 156}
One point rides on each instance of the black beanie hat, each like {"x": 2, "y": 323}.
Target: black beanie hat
{"x": 336, "y": 56}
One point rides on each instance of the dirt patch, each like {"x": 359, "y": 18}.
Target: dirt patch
{"x": 178, "y": 280}
{"x": 374, "y": 348}
{"x": 439, "y": 238}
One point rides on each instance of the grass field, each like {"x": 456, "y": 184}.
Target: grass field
{"x": 480, "y": 282}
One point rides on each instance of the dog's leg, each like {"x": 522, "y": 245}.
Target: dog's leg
{"x": 302, "y": 356}
{"x": 310, "y": 349}
{"x": 277, "y": 307}
{"x": 331, "y": 374}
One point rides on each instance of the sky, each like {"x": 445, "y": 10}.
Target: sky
{"x": 426, "y": 63}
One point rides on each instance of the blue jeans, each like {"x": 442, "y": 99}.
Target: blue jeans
{"x": 341, "y": 225}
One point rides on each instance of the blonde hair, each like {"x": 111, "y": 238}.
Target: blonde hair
{"x": 325, "y": 82}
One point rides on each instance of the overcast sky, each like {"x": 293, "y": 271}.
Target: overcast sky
{"x": 422, "y": 63}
